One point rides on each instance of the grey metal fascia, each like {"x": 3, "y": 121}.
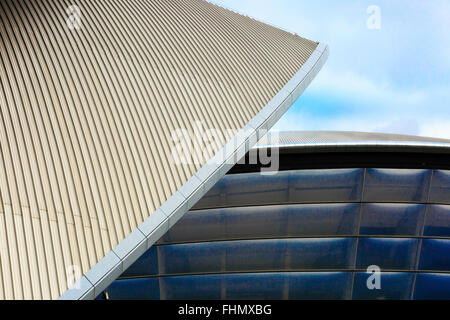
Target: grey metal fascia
{"x": 129, "y": 250}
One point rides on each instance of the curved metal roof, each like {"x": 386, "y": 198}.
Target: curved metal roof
{"x": 91, "y": 96}
{"x": 352, "y": 141}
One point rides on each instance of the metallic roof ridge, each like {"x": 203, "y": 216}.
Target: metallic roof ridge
{"x": 101, "y": 275}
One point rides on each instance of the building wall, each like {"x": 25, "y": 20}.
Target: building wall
{"x": 305, "y": 234}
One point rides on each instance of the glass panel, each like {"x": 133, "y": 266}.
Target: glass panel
{"x": 435, "y": 255}
{"x": 256, "y": 255}
{"x": 323, "y": 219}
{"x": 432, "y": 286}
{"x": 198, "y": 226}
{"x": 440, "y": 187}
{"x": 302, "y": 186}
{"x": 334, "y": 185}
{"x": 247, "y": 189}
{"x": 388, "y": 254}
{"x": 336, "y": 253}
{"x": 203, "y": 287}
{"x": 394, "y": 286}
{"x": 392, "y": 219}
{"x": 134, "y": 289}
{"x": 437, "y": 221}
{"x": 260, "y": 255}
{"x": 265, "y": 222}
{"x": 260, "y": 286}
{"x": 192, "y": 258}
{"x": 319, "y": 285}
{"x": 146, "y": 265}
{"x": 396, "y": 185}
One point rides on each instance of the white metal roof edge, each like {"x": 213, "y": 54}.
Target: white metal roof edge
{"x": 422, "y": 146}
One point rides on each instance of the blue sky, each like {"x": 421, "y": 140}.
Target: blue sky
{"x": 395, "y": 79}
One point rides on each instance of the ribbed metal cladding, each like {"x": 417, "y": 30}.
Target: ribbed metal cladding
{"x": 87, "y": 117}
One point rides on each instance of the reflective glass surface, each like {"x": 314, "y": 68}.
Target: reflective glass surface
{"x": 440, "y": 187}
{"x": 437, "y": 222}
{"x": 387, "y": 253}
{"x": 435, "y": 255}
{"x": 392, "y": 219}
{"x": 306, "y": 234}
{"x": 432, "y": 286}
{"x": 393, "y": 286}
{"x": 394, "y": 185}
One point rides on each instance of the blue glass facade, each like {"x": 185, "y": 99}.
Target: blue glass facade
{"x": 304, "y": 234}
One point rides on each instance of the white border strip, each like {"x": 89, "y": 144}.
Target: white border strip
{"x": 375, "y": 145}
{"x": 97, "y": 279}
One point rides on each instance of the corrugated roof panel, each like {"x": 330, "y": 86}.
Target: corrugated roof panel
{"x": 91, "y": 95}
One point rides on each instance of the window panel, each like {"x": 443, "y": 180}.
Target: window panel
{"x": 301, "y": 186}
{"x": 319, "y": 285}
{"x": 146, "y": 265}
{"x": 331, "y": 185}
{"x": 199, "y": 225}
{"x": 202, "y": 287}
{"x": 192, "y": 258}
{"x": 323, "y": 219}
{"x": 387, "y": 253}
{"x": 257, "y": 255}
{"x": 435, "y": 255}
{"x": 440, "y": 187}
{"x": 394, "y": 286}
{"x": 134, "y": 289}
{"x": 392, "y": 219}
{"x": 335, "y": 253}
{"x": 437, "y": 222}
{"x": 265, "y": 222}
{"x": 394, "y": 185}
{"x": 431, "y": 286}
{"x": 255, "y": 286}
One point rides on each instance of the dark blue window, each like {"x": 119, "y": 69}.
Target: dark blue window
{"x": 437, "y": 223}
{"x": 387, "y": 253}
{"x": 146, "y": 265}
{"x": 392, "y": 219}
{"x": 440, "y": 187}
{"x": 394, "y": 286}
{"x": 249, "y": 255}
{"x": 134, "y": 289}
{"x": 393, "y": 185}
{"x": 303, "y": 186}
{"x": 430, "y": 286}
{"x": 435, "y": 255}
{"x": 320, "y": 285}
{"x": 265, "y": 222}
{"x": 201, "y": 287}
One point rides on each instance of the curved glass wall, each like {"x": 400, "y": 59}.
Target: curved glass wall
{"x": 305, "y": 234}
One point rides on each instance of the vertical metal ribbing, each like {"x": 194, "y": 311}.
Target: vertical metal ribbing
{"x": 87, "y": 117}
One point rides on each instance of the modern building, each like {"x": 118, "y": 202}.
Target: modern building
{"x": 94, "y": 98}
{"x": 341, "y": 202}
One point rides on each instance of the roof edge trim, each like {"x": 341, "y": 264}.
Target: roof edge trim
{"x": 375, "y": 146}
{"x": 100, "y": 276}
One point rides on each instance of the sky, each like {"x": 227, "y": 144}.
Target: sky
{"x": 388, "y": 69}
